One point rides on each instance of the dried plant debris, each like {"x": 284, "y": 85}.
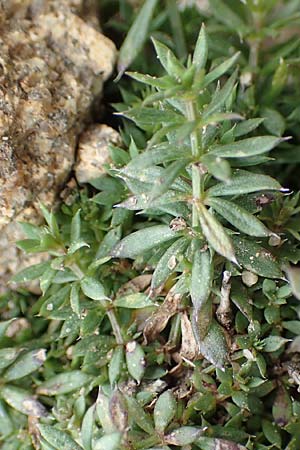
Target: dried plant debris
{"x": 169, "y": 313}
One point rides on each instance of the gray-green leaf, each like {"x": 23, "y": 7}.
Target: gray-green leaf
{"x": 216, "y": 234}
{"x": 168, "y": 262}
{"x": 22, "y": 401}
{"x": 239, "y": 217}
{"x": 164, "y": 411}
{"x": 135, "y": 360}
{"x": 108, "y": 442}
{"x": 183, "y": 436}
{"x": 92, "y": 288}
{"x": 246, "y": 147}
{"x": 243, "y": 182}
{"x": 201, "y": 49}
{"x": 25, "y": 364}
{"x": 136, "y": 36}
{"x": 256, "y": 258}
{"x": 64, "y": 383}
{"x": 142, "y": 240}
{"x": 57, "y": 438}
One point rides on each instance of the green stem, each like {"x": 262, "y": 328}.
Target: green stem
{"x": 191, "y": 114}
{"x": 115, "y": 327}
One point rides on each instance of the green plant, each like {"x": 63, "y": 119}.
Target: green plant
{"x": 166, "y": 319}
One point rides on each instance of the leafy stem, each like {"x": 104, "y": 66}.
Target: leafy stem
{"x": 191, "y": 114}
{"x": 115, "y": 326}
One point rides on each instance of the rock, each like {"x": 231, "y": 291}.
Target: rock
{"x": 52, "y": 68}
{"x": 93, "y": 151}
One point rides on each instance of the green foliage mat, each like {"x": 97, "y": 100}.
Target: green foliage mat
{"x": 169, "y": 312}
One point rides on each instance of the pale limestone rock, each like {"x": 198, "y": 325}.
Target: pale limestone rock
{"x": 52, "y": 67}
{"x": 93, "y": 151}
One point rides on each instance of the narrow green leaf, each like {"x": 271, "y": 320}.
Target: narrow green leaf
{"x": 227, "y": 16}
{"x": 292, "y": 325}
{"x": 30, "y": 273}
{"x": 273, "y": 121}
{"x": 102, "y": 408}
{"x": 64, "y": 383}
{"x": 134, "y": 301}
{"x": 6, "y": 424}
{"x": 135, "y": 360}
{"x": 201, "y": 281}
{"x": 213, "y": 346}
{"x": 142, "y": 419}
{"x": 30, "y": 245}
{"x": 57, "y": 438}
{"x": 247, "y": 126}
{"x": 274, "y": 343}
{"x": 215, "y": 118}
{"x": 31, "y": 231}
{"x": 165, "y": 82}
{"x": 76, "y": 245}
{"x": 183, "y": 436}
{"x": 216, "y": 234}
{"x": 46, "y": 279}
{"x": 218, "y": 167}
{"x": 55, "y": 301}
{"x": 168, "y": 262}
{"x": 246, "y": 147}
{"x": 256, "y": 258}
{"x": 25, "y": 364}
{"x": 243, "y": 182}
{"x": 74, "y": 298}
{"x": 87, "y": 428}
{"x": 108, "y": 442}
{"x": 75, "y": 227}
{"x": 220, "y": 96}
{"x": 158, "y": 154}
{"x": 161, "y": 185}
{"x": 164, "y": 411}
{"x": 92, "y": 288}
{"x": 201, "y": 49}
{"x": 221, "y": 69}
{"x": 8, "y": 356}
{"x": 51, "y": 220}
{"x": 146, "y": 117}
{"x": 136, "y": 36}
{"x": 23, "y": 401}
{"x": 142, "y": 240}
{"x": 109, "y": 241}
{"x": 168, "y": 60}
{"x": 239, "y": 217}
{"x": 272, "y": 433}
{"x": 116, "y": 365}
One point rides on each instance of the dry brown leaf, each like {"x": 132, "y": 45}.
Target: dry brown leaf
{"x": 137, "y": 284}
{"x": 159, "y": 319}
{"x": 188, "y": 343}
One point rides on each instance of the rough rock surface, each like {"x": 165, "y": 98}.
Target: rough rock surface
{"x": 52, "y": 67}
{"x": 93, "y": 151}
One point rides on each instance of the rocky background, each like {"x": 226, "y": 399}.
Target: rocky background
{"x": 53, "y": 62}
